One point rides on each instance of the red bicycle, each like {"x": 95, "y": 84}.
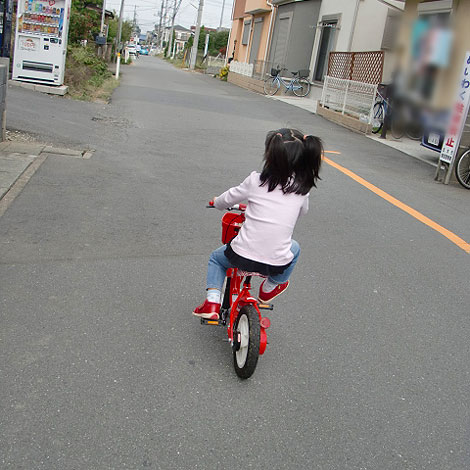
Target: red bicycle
{"x": 240, "y": 312}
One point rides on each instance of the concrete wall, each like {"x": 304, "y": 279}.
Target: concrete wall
{"x": 246, "y": 82}
{"x": 346, "y": 121}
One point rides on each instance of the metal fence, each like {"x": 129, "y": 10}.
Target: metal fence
{"x": 366, "y": 67}
{"x": 261, "y": 69}
{"x": 349, "y": 97}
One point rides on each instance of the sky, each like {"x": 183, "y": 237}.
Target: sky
{"x": 148, "y": 12}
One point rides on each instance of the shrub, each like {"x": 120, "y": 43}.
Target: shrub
{"x": 224, "y": 73}
{"x": 85, "y": 72}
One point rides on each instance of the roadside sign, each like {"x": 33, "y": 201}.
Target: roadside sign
{"x": 458, "y": 116}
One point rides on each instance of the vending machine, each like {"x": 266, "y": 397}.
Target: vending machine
{"x": 41, "y": 41}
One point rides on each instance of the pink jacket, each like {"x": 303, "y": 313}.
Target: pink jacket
{"x": 270, "y": 220}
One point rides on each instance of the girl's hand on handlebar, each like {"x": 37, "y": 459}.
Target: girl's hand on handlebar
{"x": 211, "y": 204}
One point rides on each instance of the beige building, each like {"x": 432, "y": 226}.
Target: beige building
{"x": 301, "y": 34}
{"x": 251, "y": 24}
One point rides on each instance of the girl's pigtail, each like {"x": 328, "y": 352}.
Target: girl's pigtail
{"x": 313, "y": 152}
{"x": 276, "y": 169}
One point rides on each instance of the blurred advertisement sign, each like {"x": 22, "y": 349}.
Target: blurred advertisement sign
{"x": 458, "y": 115}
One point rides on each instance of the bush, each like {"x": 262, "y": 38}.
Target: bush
{"x": 85, "y": 73}
{"x": 223, "y": 74}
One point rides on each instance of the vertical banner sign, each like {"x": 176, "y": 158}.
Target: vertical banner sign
{"x": 458, "y": 115}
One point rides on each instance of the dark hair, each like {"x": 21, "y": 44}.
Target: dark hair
{"x": 292, "y": 160}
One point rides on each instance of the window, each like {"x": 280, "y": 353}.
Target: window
{"x": 246, "y": 32}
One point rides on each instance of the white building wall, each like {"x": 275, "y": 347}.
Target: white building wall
{"x": 346, "y": 9}
{"x": 370, "y": 25}
{"x": 360, "y": 27}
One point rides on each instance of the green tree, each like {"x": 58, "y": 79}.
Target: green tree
{"x": 202, "y": 39}
{"x": 218, "y": 42}
{"x": 84, "y": 23}
{"x": 125, "y": 32}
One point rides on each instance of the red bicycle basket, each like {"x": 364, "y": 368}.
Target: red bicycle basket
{"x": 231, "y": 224}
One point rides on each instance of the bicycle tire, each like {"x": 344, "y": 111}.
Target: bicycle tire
{"x": 397, "y": 127}
{"x": 377, "y": 117}
{"x": 414, "y": 131}
{"x": 462, "y": 169}
{"x": 271, "y": 85}
{"x": 247, "y": 334}
{"x": 304, "y": 85}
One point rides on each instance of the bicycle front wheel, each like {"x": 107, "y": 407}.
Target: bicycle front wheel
{"x": 462, "y": 170}
{"x": 271, "y": 85}
{"x": 246, "y": 341}
{"x": 377, "y": 117}
{"x": 301, "y": 87}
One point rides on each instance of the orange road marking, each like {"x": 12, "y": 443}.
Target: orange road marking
{"x": 409, "y": 210}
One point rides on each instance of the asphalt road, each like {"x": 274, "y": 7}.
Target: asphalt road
{"x": 102, "y": 365}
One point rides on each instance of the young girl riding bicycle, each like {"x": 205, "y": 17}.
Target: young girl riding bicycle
{"x": 276, "y": 197}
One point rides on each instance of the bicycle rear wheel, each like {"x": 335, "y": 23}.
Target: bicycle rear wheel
{"x": 271, "y": 85}
{"x": 397, "y": 126}
{"x": 462, "y": 170}
{"x": 246, "y": 341}
{"x": 377, "y": 117}
{"x": 414, "y": 130}
{"x": 301, "y": 87}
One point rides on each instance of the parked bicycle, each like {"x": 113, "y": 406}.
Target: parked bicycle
{"x": 299, "y": 84}
{"x": 405, "y": 119}
{"x": 240, "y": 312}
{"x": 462, "y": 169}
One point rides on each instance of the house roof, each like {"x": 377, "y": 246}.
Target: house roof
{"x": 178, "y": 27}
{"x": 93, "y": 6}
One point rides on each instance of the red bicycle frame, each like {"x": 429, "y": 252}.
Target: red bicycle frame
{"x": 240, "y": 291}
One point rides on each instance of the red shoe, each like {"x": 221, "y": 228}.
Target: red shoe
{"x": 268, "y": 296}
{"x": 209, "y": 310}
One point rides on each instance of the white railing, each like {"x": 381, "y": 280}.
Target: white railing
{"x": 349, "y": 97}
{"x": 242, "y": 68}
{"x": 215, "y": 61}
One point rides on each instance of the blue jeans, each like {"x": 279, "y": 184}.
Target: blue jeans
{"x": 219, "y": 263}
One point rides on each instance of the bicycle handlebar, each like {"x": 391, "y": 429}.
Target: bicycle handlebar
{"x": 235, "y": 207}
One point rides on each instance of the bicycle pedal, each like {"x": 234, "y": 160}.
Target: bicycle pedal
{"x": 205, "y": 321}
{"x": 263, "y": 306}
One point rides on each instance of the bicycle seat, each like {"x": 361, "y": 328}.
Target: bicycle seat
{"x": 248, "y": 273}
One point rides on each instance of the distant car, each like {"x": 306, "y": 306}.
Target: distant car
{"x": 144, "y": 51}
{"x": 132, "y": 50}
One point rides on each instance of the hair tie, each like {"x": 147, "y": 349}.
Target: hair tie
{"x": 279, "y": 134}
{"x": 305, "y": 137}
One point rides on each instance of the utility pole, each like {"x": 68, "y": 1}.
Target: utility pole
{"x": 102, "y": 18}
{"x": 118, "y": 37}
{"x": 135, "y": 17}
{"x": 222, "y": 14}
{"x": 196, "y": 35}
{"x": 160, "y": 39}
{"x": 176, "y": 6}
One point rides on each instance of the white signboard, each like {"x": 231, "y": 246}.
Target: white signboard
{"x": 458, "y": 115}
